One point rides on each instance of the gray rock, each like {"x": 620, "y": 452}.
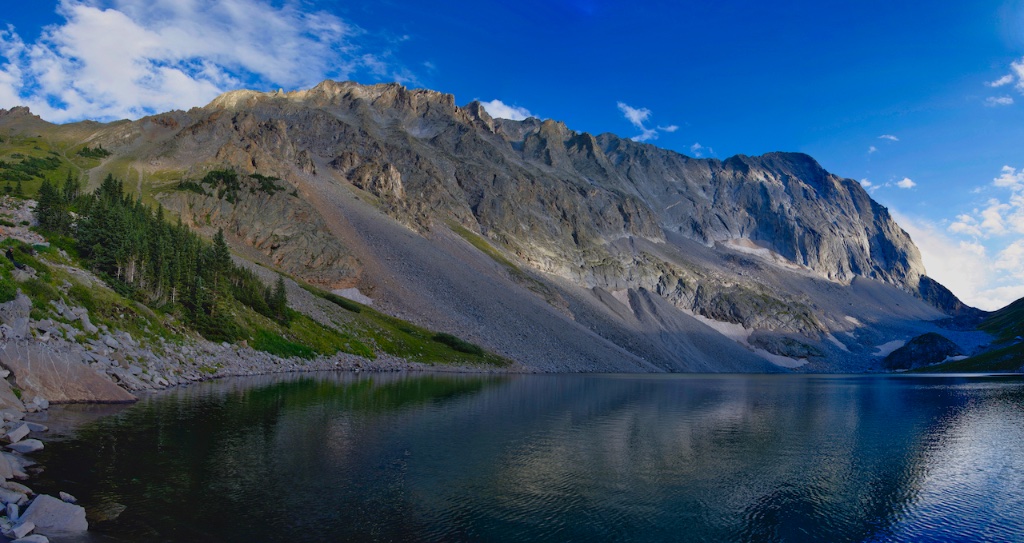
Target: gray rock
{"x": 34, "y": 538}
{"x": 16, "y": 309}
{"x": 17, "y": 487}
{"x": 923, "y": 350}
{"x": 58, "y": 374}
{"x": 13, "y": 512}
{"x": 68, "y": 498}
{"x": 42, "y": 402}
{"x": 53, "y": 516}
{"x": 6, "y": 471}
{"x": 17, "y": 433}
{"x": 20, "y": 530}
{"x": 10, "y": 496}
{"x": 27, "y": 446}
{"x": 36, "y": 427}
{"x": 109, "y": 341}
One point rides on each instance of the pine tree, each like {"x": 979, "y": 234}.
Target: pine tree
{"x": 278, "y": 301}
{"x": 18, "y": 192}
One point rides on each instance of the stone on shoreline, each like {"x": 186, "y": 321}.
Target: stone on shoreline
{"x": 20, "y": 530}
{"x": 17, "y": 433}
{"x": 58, "y": 374}
{"x": 26, "y": 447}
{"x": 34, "y": 538}
{"x": 10, "y": 496}
{"x": 52, "y": 516}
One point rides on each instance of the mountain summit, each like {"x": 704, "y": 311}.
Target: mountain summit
{"x": 560, "y": 249}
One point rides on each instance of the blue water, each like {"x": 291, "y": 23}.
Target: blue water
{"x": 356, "y": 457}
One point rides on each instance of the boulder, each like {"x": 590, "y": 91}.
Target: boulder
{"x": 10, "y": 496}
{"x": 17, "y": 433}
{"x": 68, "y": 498}
{"x": 11, "y": 406}
{"x": 34, "y": 538}
{"x": 52, "y": 516}
{"x": 16, "y": 309}
{"x": 26, "y": 447}
{"x": 58, "y": 374}
{"x": 6, "y": 471}
{"x": 923, "y": 350}
{"x": 20, "y": 530}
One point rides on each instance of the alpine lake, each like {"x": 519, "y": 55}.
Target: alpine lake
{"x": 326, "y": 457}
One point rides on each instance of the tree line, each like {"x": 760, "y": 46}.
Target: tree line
{"x": 141, "y": 255}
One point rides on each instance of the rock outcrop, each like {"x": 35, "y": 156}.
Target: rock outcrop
{"x": 923, "y": 350}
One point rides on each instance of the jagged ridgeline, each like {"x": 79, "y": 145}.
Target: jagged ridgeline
{"x": 560, "y": 249}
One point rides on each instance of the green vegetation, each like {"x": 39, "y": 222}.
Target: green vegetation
{"x": 29, "y": 167}
{"x": 399, "y": 338}
{"x": 142, "y": 256}
{"x": 227, "y": 183}
{"x": 1006, "y": 354}
{"x": 458, "y": 344}
{"x": 98, "y": 152}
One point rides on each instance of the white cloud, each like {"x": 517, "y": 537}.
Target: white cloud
{"x": 1010, "y": 177}
{"x": 113, "y": 59}
{"x": 500, "y": 110}
{"x": 866, "y": 184}
{"x": 699, "y": 150}
{"x": 961, "y": 266}
{"x": 1011, "y": 259}
{"x": 872, "y": 149}
{"x": 1017, "y": 67}
{"x": 966, "y": 225}
{"x": 638, "y": 117}
{"x": 995, "y": 101}
{"x": 906, "y": 183}
{"x": 889, "y": 137}
{"x": 1005, "y": 80}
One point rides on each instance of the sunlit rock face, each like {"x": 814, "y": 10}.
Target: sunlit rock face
{"x": 645, "y": 253}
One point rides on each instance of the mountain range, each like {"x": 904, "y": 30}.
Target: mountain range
{"x": 561, "y": 250}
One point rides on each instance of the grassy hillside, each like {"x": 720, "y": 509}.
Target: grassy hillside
{"x": 27, "y": 160}
{"x": 1007, "y": 352}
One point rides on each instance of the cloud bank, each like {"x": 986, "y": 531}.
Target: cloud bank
{"x": 112, "y": 59}
{"x": 501, "y": 110}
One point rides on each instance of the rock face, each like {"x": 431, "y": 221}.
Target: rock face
{"x": 59, "y": 376}
{"x": 923, "y": 350}
{"x": 382, "y": 182}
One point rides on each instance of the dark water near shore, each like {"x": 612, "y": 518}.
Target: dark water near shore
{"x": 336, "y": 457}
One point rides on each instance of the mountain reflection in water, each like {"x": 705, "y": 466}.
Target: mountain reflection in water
{"x": 332, "y": 457}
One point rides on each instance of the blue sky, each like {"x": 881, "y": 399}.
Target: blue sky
{"x": 922, "y": 102}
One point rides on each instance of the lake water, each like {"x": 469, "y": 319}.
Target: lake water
{"x": 336, "y": 457}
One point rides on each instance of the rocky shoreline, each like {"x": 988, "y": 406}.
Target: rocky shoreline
{"x": 48, "y": 360}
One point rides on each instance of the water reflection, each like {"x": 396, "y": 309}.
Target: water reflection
{"x": 558, "y": 458}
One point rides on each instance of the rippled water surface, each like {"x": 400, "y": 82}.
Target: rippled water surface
{"x": 335, "y": 457}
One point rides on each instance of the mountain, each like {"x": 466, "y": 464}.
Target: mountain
{"x": 561, "y": 250}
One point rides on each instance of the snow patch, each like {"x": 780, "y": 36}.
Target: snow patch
{"x": 853, "y": 320}
{"x": 731, "y": 330}
{"x": 835, "y": 341}
{"x": 886, "y": 349}
{"x": 956, "y": 358}
{"x": 354, "y": 295}
{"x": 779, "y": 360}
{"x": 746, "y": 246}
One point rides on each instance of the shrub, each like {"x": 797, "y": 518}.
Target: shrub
{"x": 458, "y": 344}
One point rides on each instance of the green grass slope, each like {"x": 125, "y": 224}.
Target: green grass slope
{"x": 1007, "y": 352}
